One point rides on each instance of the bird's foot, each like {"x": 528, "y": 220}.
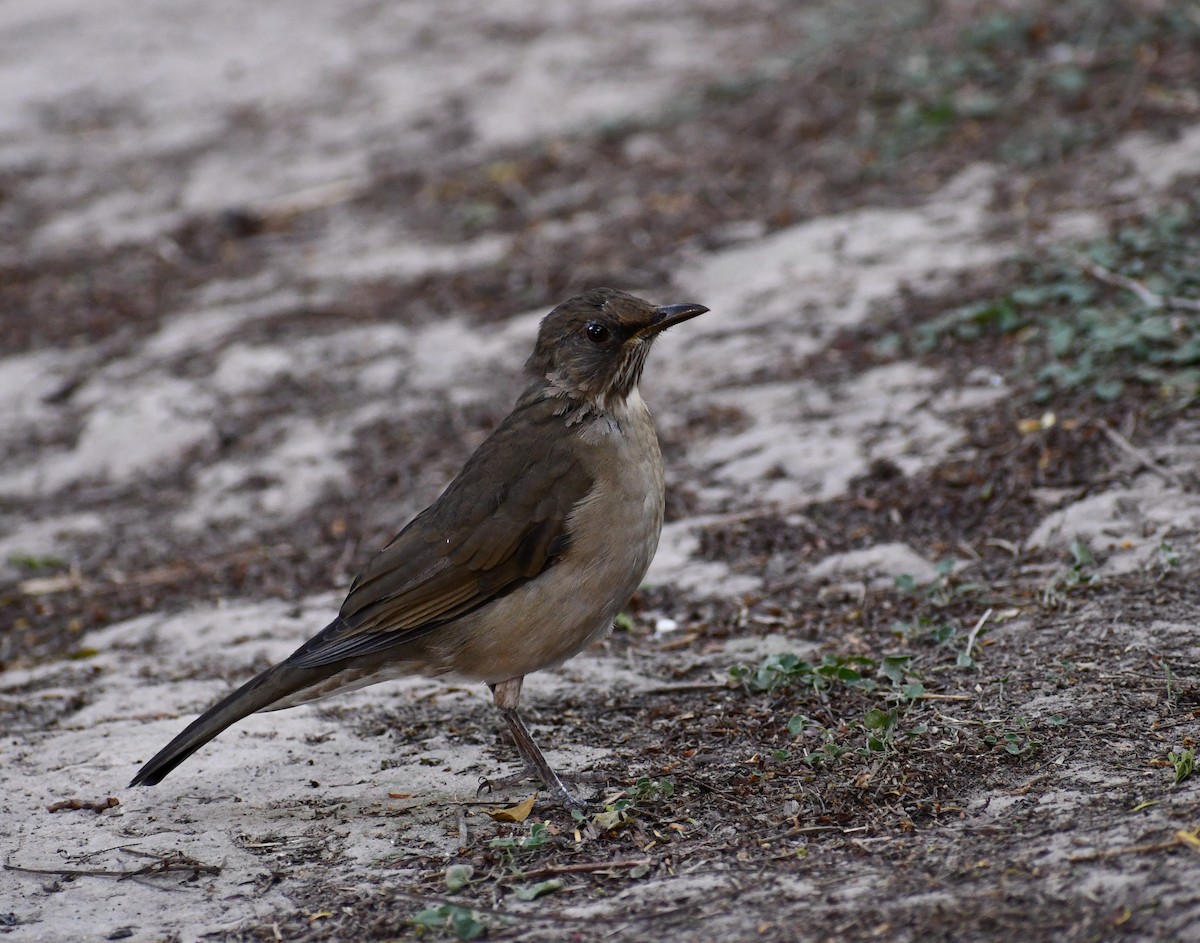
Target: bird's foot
{"x": 489, "y": 784}
{"x": 506, "y": 694}
{"x": 591, "y": 776}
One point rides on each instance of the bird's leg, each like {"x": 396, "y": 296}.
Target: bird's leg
{"x": 506, "y": 696}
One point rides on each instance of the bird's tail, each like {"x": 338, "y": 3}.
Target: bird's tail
{"x": 259, "y": 693}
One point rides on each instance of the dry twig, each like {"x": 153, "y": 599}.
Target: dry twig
{"x": 975, "y": 632}
{"x": 1144, "y": 460}
{"x": 1143, "y": 294}
{"x": 1180, "y": 838}
{"x": 176, "y": 861}
{"x": 580, "y": 867}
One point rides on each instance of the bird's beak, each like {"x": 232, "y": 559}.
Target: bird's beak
{"x": 669, "y": 315}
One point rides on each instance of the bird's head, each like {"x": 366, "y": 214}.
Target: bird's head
{"x": 593, "y": 346}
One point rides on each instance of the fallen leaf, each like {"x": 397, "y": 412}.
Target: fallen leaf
{"x": 607, "y": 820}
{"x": 1191, "y": 839}
{"x": 516, "y": 813}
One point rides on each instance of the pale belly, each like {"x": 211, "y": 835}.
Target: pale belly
{"x": 614, "y": 534}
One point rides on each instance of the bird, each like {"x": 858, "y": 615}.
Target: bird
{"x": 523, "y": 561}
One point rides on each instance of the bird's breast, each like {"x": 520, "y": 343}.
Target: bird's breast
{"x": 613, "y": 534}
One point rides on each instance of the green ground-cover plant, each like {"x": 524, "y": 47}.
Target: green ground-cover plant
{"x": 1121, "y": 312}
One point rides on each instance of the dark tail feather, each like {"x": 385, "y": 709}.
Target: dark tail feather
{"x": 255, "y": 695}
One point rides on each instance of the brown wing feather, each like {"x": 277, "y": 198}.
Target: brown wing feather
{"x": 501, "y": 522}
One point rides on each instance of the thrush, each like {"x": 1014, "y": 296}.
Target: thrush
{"x": 527, "y": 556}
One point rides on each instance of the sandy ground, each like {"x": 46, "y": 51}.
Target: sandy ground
{"x": 123, "y": 122}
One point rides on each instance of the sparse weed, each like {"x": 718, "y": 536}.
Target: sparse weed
{"x": 877, "y": 725}
{"x": 621, "y": 809}
{"x": 463, "y": 923}
{"x": 1017, "y": 743}
{"x": 509, "y": 844}
{"x": 1168, "y": 559}
{"x": 1119, "y": 312}
{"x": 647, "y": 788}
{"x": 614, "y": 815}
{"x": 940, "y": 593}
{"x": 942, "y": 590}
{"x": 1014, "y": 68}
{"x": 34, "y": 562}
{"x": 513, "y": 849}
{"x": 1080, "y": 573}
{"x": 1184, "y": 762}
{"x": 828, "y": 750}
{"x": 789, "y": 670}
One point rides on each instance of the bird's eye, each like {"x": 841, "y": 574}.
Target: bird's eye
{"x": 597, "y": 333}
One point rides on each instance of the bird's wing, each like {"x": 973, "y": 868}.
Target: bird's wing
{"x": 501, "y": 522}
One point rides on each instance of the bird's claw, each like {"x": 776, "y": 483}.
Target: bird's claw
{"x": 560, "y": 793}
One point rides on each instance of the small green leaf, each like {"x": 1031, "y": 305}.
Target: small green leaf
{"x": 876, "y": 719}
{"x": 1069, "y": 79}
{"x": 1184, "y": 762}
{"x": 457, "y": 877}
{"x": 467, "y": 925}
{"x": 1082, "y": 553}
{"x": 1061, "y": 336}
{"x": 534, "y": 891}
{"x": 894, "y": 667}
{"x": 942, "y": 633}
{"x": 431, "y": 918}
{"x": 463, "y": 922}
